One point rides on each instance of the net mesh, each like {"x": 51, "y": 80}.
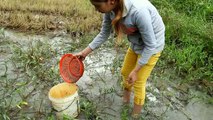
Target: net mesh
{"x": 70, "y": 68}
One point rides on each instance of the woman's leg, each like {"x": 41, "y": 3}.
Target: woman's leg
{"x": 140, "y": 83}
{"x": 128, "y": 65}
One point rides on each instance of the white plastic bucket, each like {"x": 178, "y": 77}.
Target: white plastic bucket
{"x": 67, "y": 106}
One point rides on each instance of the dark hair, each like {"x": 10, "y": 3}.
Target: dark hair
{"x": 99, "y": 0}
{"x": 118, "y": 15}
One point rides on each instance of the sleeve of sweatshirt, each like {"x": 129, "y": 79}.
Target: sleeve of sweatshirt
{"x": 144, "y": 24}
{"x": 104, "y": 33}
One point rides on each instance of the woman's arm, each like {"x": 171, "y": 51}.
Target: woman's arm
{"x": 81, "y": 55}
{"x": 99, "y": 39}
{"x": 104, "y": 33}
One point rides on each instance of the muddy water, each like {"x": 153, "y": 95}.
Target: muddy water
{"x": 163, "y": 105}
{"x": 101, "y": 84}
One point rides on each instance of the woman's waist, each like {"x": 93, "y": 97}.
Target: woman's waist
{"x": 138, "y": 49}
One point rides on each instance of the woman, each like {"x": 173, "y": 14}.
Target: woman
{"x": 145, "y": 30}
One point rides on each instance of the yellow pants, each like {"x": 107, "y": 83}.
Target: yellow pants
{"x": 130, "y": 61}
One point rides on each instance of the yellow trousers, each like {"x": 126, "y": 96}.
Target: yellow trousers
{"x": 130, "y": 61}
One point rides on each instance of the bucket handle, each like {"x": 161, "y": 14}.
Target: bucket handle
{"x": 78, "y": 107}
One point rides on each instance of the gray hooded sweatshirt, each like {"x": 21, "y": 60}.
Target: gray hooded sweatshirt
{"x": 143, "y": 25}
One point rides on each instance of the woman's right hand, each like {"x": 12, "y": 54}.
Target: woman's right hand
{"x": 80, "y": 55}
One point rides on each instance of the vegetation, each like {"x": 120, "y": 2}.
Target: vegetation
{"x": 188, "y": 50}
{"x": 189, "y": 39}
{"x": 28, "y": 70}
{"x": 189, "y": 35}
{"x": 48, "y": 15}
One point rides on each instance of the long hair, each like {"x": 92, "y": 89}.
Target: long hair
{"x": 116, "y": 21}
{"x": 118, "y": 16}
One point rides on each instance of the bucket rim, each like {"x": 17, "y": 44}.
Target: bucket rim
{"x": 64, "y": 99}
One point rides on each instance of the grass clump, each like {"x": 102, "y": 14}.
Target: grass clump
{"x": 26, "y": 71}
{"x": 36, "y": 60}
{"x": 189, "y": 39}
{"x": 89, "y": 109}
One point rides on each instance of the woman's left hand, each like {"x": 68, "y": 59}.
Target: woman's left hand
{"x": 132, "y": 77}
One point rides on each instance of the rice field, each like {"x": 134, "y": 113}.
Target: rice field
{"x": 185, "y": 65}
{"x": 49, "y": 15}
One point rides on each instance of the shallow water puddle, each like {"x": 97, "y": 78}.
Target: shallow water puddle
{"x": 101, "y": 84}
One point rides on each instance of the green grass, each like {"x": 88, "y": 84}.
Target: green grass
{"x": 188, "y": 50}
{"x": 189, "y": 38}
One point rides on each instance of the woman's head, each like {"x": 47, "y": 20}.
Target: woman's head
{"x": 117, "y": 6}
{"x": 104, "y": 6}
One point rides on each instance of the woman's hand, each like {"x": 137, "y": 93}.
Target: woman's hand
{"x": 133, "y": 75}
{"x": 82, "y": 55}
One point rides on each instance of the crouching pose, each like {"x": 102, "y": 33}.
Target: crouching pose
{"x": 145, "y": 30}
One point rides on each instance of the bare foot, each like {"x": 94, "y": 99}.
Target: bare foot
{"x": 136, "y": 113}
{"x": 126, "y": 96}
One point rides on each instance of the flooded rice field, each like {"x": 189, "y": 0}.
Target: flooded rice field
{"x": 24, "y": 94}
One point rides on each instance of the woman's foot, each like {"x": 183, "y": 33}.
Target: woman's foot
{"x": 136, "y": 113}
{"x": 126, "y": 96}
